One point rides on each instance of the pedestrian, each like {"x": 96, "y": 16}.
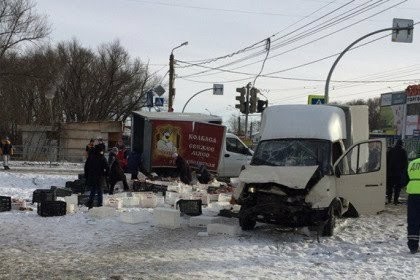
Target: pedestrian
{"x": 204, "y": 175}
{"x": 96, "y": 172}
{"x": 122, "y": 156}
{"x": 116, "y": 173}
{"x": 398, "y": 161}
{"x": 183, "y": 169}
{"x": 101, "y": 145}
{"x": 90, "y": 147}
{"x": 6, "y": 151}
{"x": 413, "y": 206}
{"x": 135, "y": 164}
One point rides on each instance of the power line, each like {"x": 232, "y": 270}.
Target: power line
{"x": 283, "y": 44}
{"x": 295, "y": 48}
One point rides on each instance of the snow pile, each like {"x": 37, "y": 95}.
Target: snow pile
{"x": 130, "y": 246}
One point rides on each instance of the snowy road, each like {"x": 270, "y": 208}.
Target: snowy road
{"x": 76, "y": 246}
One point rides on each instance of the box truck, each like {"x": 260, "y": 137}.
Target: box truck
{"x": 313, "y": 163}
{"x": 200, "y": 139}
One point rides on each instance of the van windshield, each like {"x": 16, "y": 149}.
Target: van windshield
{"x": 293, "y": 152}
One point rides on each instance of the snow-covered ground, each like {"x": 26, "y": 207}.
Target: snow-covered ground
{"x": 77, "y": 246}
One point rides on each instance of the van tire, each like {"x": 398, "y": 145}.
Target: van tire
{"x": 330, "y": 224}
{"x": 247, "y": 223}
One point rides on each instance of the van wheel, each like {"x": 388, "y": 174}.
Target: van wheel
{"x": 247, "y": 223}
{"x": 330, "y": 224}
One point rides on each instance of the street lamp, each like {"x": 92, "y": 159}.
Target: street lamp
{"x": 208, "y": 111}
{"x": 49, "y": 95}
{"x": 172, "y": 77}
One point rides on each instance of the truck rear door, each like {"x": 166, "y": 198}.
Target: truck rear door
{"x": 361, "y": 176}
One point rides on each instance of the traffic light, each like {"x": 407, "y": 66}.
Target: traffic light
{"x": 241, "y": 98}
{"x": 261, "y": 105}
{"x": 253, "y": 100}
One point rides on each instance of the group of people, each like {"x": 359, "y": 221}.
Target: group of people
{"x": 6, "y": 150}
{"x": 101, "y": 173}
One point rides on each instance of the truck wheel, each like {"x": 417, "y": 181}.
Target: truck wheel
{"x": 246, "y": 223}
{"x": 330, "y": 225}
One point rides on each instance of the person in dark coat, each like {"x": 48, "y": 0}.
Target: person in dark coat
{"x": 183, "y": 169}
{"x": 204, "y": 175}
{"x": 96, "y": 171}
{"x": 398, "y": 162}
{"x": 90, "y": 147}
{"x": 7, "y": 151}
{"x": 135, "y": 164}
{"x": 116, "y": 173}
{"x": 101, "y": 145}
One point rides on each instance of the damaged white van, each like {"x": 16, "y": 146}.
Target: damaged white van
{"x": 314, "y": 163}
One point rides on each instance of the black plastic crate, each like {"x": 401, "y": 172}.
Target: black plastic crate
{"x": 82, "y": 199}
{"x": 81, "y": 176}
{"x": 69, "y": 184}
{"x": 5, "y": 203}
{"x": 61, "y": 192}
{"x": 141, "y": 186}
{"x": 159, "y": 188}
{"x": 78, "y": 186}
{"x": 42, "y": 195}
{"x": 190, "y": 207}
{"x": 52, "y": 208}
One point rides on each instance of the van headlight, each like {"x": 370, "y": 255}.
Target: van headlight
{"x": 252, "y": 189}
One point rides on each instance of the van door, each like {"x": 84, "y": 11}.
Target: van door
{"x": 361, "y": 176}
{"x": 235, "y": 155}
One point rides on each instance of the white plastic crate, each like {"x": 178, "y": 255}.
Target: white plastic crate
{"x": 18, "y": 204}
{"x": 119, "y": 195}
{"x": 172, "y": 197}
{"x": 102, "y": 212}
{"x": 133, "y": 217}
{"x": 160, "y": 200}
{"x": 173, "y": 187}
{"x": 113, "y": 202}
{"x": 224, "y": 197}
{"x": 70, "y": 208}
{"x": 133, "y": 201}
{"x": 200, "y": 195}
{"x": 147, "y": 200}
{"x": 72, "y": 199}
{"x": 231, "y": 230}
{"x": 167, "y": 218}
{"x": 202, "y": 221}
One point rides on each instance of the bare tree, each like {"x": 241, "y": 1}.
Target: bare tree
{"x": 19, "y": 24}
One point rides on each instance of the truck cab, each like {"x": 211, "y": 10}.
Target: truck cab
{"x": 314, "y": 163}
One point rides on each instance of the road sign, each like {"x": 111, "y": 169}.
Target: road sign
{"x": 159, "y": 90}
{"x": 402, "y": 36}
{"x": 159, "y": 101}
{"x": 217, "y": 89}
{"x": 316, "y": 99}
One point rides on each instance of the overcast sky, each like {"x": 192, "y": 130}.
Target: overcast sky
{"x": 150, "y": 29}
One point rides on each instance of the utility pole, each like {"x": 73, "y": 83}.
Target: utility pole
{"x": 172, "y": 78}
{"x": 171, "y": 83}
{"x": 248, "y": 88}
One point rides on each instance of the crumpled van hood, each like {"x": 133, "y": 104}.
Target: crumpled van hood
{"x": 295, "y": 177}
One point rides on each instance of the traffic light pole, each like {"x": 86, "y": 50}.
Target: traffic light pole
{"x": 327, "y": 83}
{"x": 248, "y": 88}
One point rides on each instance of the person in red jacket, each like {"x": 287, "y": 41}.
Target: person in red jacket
{"x": 122, "y": 157}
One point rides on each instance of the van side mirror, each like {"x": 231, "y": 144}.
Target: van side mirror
{"x": 337, "y": 171}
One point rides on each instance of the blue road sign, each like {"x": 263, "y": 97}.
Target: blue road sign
{"x": 159, "y": 101}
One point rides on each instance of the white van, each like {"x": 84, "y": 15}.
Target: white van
{"x": 235, "y": 155}
{"x": 313, "y": 163}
